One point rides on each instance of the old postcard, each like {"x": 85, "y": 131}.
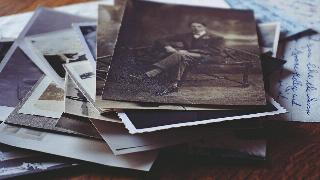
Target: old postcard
{"x": 87, "y": 32}
{"x": 46, "y": 100}
{"x": 74, "y": 147}
{"x": 140, "y": 121}
{"x": 49, "y": 51}
{"x": 197, "y": 56}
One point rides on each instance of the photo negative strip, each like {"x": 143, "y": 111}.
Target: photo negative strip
{"x": 186, "y": 55}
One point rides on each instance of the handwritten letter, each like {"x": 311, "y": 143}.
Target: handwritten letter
{"x": 294, "y": 15}
{"x": 297, "y": 85}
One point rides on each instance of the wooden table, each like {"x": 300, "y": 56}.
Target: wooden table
{"x": 293, "y": 148}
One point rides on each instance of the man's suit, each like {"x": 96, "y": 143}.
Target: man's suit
{"x": 208, "y": 46}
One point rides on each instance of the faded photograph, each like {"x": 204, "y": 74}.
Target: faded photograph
{"x": 77, "y": 104}
{"x": 90, "y": 34}
{"x": 46, "y": 100}
{"x": 50, "y": 51}
{"x": 87, "y": 33}
{"x": 186, "y": 55}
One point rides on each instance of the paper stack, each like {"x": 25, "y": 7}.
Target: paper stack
{"x": 141, "y": 77}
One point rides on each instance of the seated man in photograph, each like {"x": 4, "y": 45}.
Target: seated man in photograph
{"x": 184, "y": 50}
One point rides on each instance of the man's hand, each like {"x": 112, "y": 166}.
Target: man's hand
{"x": 170, "y": 49}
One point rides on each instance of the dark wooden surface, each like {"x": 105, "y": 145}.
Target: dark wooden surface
{"x": 293, "y": 148}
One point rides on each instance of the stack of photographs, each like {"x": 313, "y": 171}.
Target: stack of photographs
{"x": 142, "y": 77}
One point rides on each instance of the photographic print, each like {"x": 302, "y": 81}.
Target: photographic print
{"x": 186, "y": 55}
{"x": 87, "y": 33}
{"x": 140, "y": 121}
{"x": 74, "y": 147}
{"x": 109, "y": 22}
{"x": 50, "y": 51}
{"x": 77, "y": 104}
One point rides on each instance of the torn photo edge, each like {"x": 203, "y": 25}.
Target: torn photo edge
{"x": 133, "y": 129}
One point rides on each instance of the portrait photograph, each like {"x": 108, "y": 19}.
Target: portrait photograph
{"x": 186, "y": 55}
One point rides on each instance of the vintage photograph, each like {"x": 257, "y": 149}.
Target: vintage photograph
{"x": 141, "y": 121}
{"x": 87, "y": 32}
{"x": 76, "y": 103}
{"x": 269, "y": 34}
{"x": 49, "y": 51}
{"x": 47, "y": 100}
{"x": 109, "y": 22}
{"x": 186, "y": 55}
{"x": 74, "y": 147}
{"x": 17, "y": 78}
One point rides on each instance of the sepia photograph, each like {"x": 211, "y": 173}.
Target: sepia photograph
{"x": 186, "y": 55}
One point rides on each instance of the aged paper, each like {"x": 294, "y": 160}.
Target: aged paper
{"x": 296, "y": 85}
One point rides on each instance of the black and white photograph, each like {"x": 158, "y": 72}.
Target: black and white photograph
{"x": 76, "y": 103}
{"x": 16, "y": 80}
{"x": 142, "y": 121}
{"x": 109, "y": 23}
{"x": 46, "y": 100}
{"x": 49, "y": 51}
{"x": 87, "y": 33}
{"x": 186, "y": 55}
